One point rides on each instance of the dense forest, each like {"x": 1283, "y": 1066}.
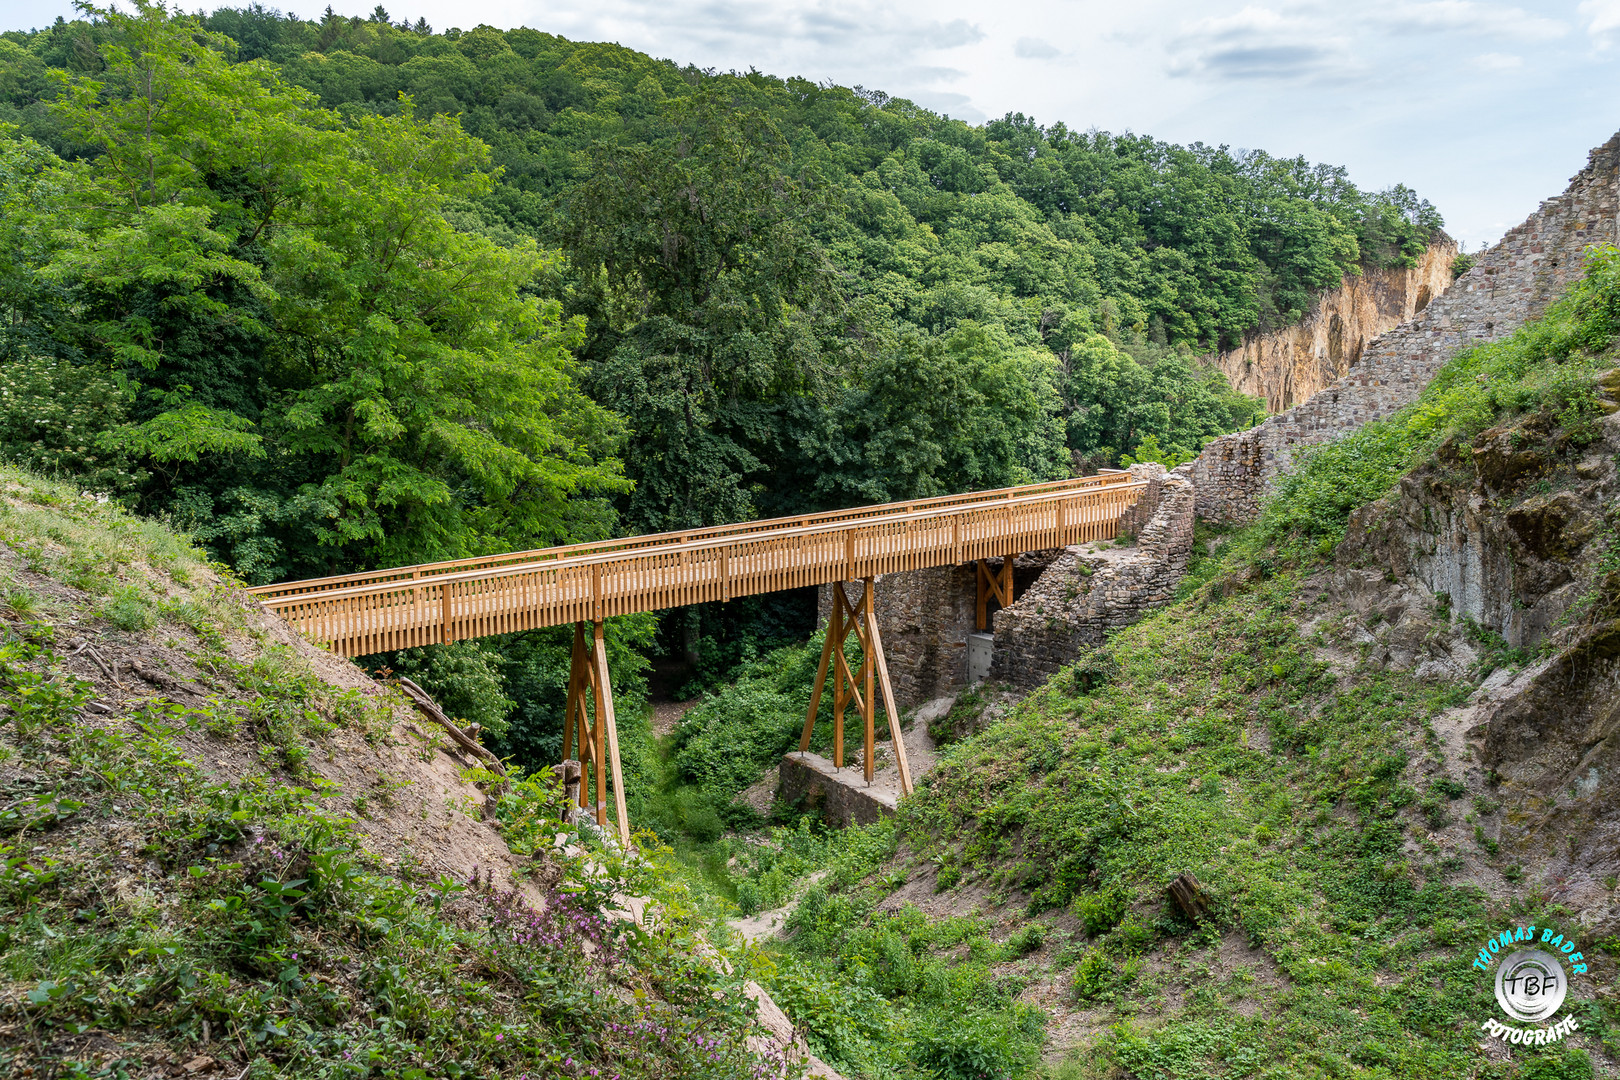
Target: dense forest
{"x": 343, "y": 293}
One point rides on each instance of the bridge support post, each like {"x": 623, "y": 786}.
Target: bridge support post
{"x": 872, "y": 675}
{"x": 588, "y": 722}
{"x": 997, "y": 585}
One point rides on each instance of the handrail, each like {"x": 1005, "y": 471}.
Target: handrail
{"x": 441, "y": 602}
{"x": 650, "y": 540}
{"x": 491, "y": 573}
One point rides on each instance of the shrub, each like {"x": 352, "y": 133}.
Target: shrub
{"x": 129, "y": 610}
{"x": 703, "y": 824}
{"x": 970, "y": 1048}
{"x": 725, "y": 743}
{"x": 1027, "y": 940}
{"x": 1097, "y": 976}
{"x": 1099, "y": 912}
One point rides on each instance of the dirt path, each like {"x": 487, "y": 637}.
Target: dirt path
{"x": 666, "y": 714}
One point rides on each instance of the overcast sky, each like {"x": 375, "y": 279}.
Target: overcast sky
{"x": 1484, "y": 108}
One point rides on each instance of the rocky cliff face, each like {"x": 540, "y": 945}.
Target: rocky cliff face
{"x": 1502, "y": 551}
{"x": 1287, "y": 366}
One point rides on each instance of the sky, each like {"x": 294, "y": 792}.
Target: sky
{"x": 1484, "y": 108}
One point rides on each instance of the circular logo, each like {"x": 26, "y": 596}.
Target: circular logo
{"x": 1530, "y": 985}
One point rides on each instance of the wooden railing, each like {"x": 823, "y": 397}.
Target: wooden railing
{"x": 358, "y": 614}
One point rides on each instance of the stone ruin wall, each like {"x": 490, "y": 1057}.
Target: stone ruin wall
{"x": 1510, "y": 284}
{"x": 1289, "y": 365}
{"x": 1082, "y": 597}
{"x": 925, "y": 617}
{"x": 809, "y": 782}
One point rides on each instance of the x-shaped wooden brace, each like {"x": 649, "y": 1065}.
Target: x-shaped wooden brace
{"x": 996, "y": 585}
{"x": 847, "y": 685}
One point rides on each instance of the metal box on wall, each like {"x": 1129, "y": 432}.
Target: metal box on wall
{"x": 980, "y": 649}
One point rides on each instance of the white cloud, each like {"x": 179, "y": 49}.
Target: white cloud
{"x": 1498, "y": 62}
{"x": 1467, "y": 17}
{"x": 1602, "y": 17}
{"x": 1261, "y": 43}
{"x": 1325, "y": 42}
{"x": 1029, "y": 48}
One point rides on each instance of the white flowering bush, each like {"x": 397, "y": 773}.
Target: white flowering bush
{"x": 55, "y": 417}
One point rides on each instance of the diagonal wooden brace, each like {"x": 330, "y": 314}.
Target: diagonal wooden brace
{"x": 588, "y": 718}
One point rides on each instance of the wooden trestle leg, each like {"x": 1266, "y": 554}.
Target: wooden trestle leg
{"x": 589, "y": 723}
{"x": 872, "y": 676}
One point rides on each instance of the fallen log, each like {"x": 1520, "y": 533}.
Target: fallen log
{"x": 1190, "y": 899}
{"x": 428, "y": 708}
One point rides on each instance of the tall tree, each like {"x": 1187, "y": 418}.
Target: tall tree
{"x": 717, "y": 310}
{"x": 329, "y": 374}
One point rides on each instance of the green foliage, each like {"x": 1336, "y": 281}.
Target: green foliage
{"x": 463, "y": 677}
{"x": 963, "y": 716}
{"x": 982, "y": 1046}
{"x": 969, "y": 409}
{"x": 299, "y": 338}
{"x": 129, "y": 610}
{"x": 724, "y": 743}
{"x": 882, "y": 994}
{"x": 1027, "y": 940}
{"x": 1101, "y": 977}
{"x": 1149, "y": 450}
{"x": 53, "y": 417}
{"x": 1099, "y": 912}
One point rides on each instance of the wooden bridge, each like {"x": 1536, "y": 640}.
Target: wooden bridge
{"x": 434, "y": 603}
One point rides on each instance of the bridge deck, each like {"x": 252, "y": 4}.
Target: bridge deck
{"x": 402, "y": 607}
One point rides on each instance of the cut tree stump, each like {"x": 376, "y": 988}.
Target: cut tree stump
{"x": 1189, "y": 898}
{"x": 568, "y": 774}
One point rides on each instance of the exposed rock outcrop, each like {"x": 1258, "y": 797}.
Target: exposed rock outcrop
{"x": 1509, "y": 285}
{"x": 1289, "y": 365}
{"x": 1502, "y": 544}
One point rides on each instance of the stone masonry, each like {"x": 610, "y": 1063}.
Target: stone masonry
{"x": 925, "y": 617}
{"x": 1510, "y": 284}
{"x": 811, "y": 782}
{"x": 1090, "y": 590}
